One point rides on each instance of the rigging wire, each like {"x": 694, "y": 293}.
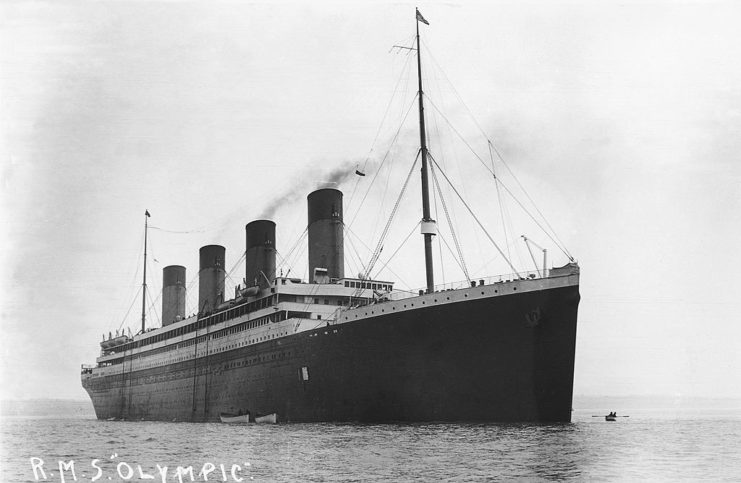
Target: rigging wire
{"x": 474, "y": 216}
{"x": 456, "y": 164}
{"x": 402, "y": 75}
{"x": 462, "y": 267}
{"x": 414, "y": 228}
{"x": 152, "y": 309}
{"x": 229, "y": 276}
{"x": 401, "y": 280}
{"x": 152, "y": 285}
{"x": 355, "y": 251}
{"x": 457, "y": 95}
{"x": 558, "y": 243}
{"x": 400, "y": 118}
{"x": 236, "y": 265}
{"x": 188, "y": 291}
{"x": 513, "y": 240}
{"x": 385, "y": 156}
{"x": 287, "y": 260}
{"x": 462, "y": 262}
{"x": 299, "y": 254}
{"x": 483, "y": 163}
{"x": 134, "y": 286}
{"x": 380, "y": 212}
{"x": 296, "y": 244}
{"x": 130, "y": 307}
{"x": 379, "y": 246}
{"x": 563, "y": 249}
{"x": 439, "y": 243}
{"x": 434, "y": 193}
{"x": 499, "y": 199}
{"x": 187, "y": 232}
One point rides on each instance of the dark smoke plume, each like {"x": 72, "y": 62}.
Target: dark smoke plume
{"x": 308, "y": 183}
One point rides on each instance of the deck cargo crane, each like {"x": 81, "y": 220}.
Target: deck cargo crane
{"x": 528, "y": 242}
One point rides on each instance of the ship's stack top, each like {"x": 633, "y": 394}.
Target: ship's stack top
{"x": 173, "y": 294}
{"x": 211, "y": 276}
{"x": 326, "y": 243}
{"x": 260, "y": 253}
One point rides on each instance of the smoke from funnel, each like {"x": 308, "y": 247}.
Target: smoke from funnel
{"x": 310, "y": 182}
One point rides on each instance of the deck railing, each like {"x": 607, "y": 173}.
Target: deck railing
{"x": 527, "y": 275}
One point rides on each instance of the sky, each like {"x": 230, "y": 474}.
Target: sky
{"x": 620, "y": 119}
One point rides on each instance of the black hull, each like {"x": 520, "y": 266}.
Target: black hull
{"x": 506, "y": 359}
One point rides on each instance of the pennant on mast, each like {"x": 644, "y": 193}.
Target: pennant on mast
{"x": 420, "y": 18}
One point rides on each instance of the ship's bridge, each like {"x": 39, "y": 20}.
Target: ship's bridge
{"x": 339, "y": 286}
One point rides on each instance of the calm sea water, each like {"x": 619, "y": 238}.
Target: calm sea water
{"x": 654, "y": 445}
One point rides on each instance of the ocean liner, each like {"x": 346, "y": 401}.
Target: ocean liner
{"x": 338, "y": 348}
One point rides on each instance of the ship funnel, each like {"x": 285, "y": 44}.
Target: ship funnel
{"x": 211, "y": 277}
{"x": 173, "y": 294}
{"x": 326, "y": 241}
{"x": 260, "y": 253}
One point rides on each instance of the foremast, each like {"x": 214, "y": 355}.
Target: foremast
{"x": 144, "y": 282}
{"x": 428, "y": 224}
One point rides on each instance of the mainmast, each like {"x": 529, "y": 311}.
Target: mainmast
{"x": 144, "y": 283}
{"x": 428, "y": 228}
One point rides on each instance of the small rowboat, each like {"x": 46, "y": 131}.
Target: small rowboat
{"x": 610, "y": 417}
{"x": 234, "y": 418}
{"x": 271, "y": 418}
